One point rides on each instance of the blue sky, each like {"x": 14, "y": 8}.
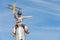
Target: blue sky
{"x": 45, "y": 24}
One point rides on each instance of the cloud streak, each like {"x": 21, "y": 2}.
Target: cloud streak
{"x": 49, "y": 5}
{"x": 44, "y": 11}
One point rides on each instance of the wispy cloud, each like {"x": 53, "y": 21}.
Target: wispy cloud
{"x": 50, "y": 28}
{"x": 41, "y": 10}
{"x": 55, "y": 0}
{"x": 49, "y": 4}
{"x": 51, "y": 9}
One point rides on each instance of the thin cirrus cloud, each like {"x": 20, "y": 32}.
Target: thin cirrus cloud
{"x": 50, "y": 8}
{"x": 47, "y": 4}
{"x": 41, "y": 10}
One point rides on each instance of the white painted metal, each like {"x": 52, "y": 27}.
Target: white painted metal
{"x": 20, "y": 34}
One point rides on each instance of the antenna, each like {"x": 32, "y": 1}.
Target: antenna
{"x": 12, "y": 6}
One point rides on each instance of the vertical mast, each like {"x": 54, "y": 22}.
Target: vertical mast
{"x": 14, "y": 8}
